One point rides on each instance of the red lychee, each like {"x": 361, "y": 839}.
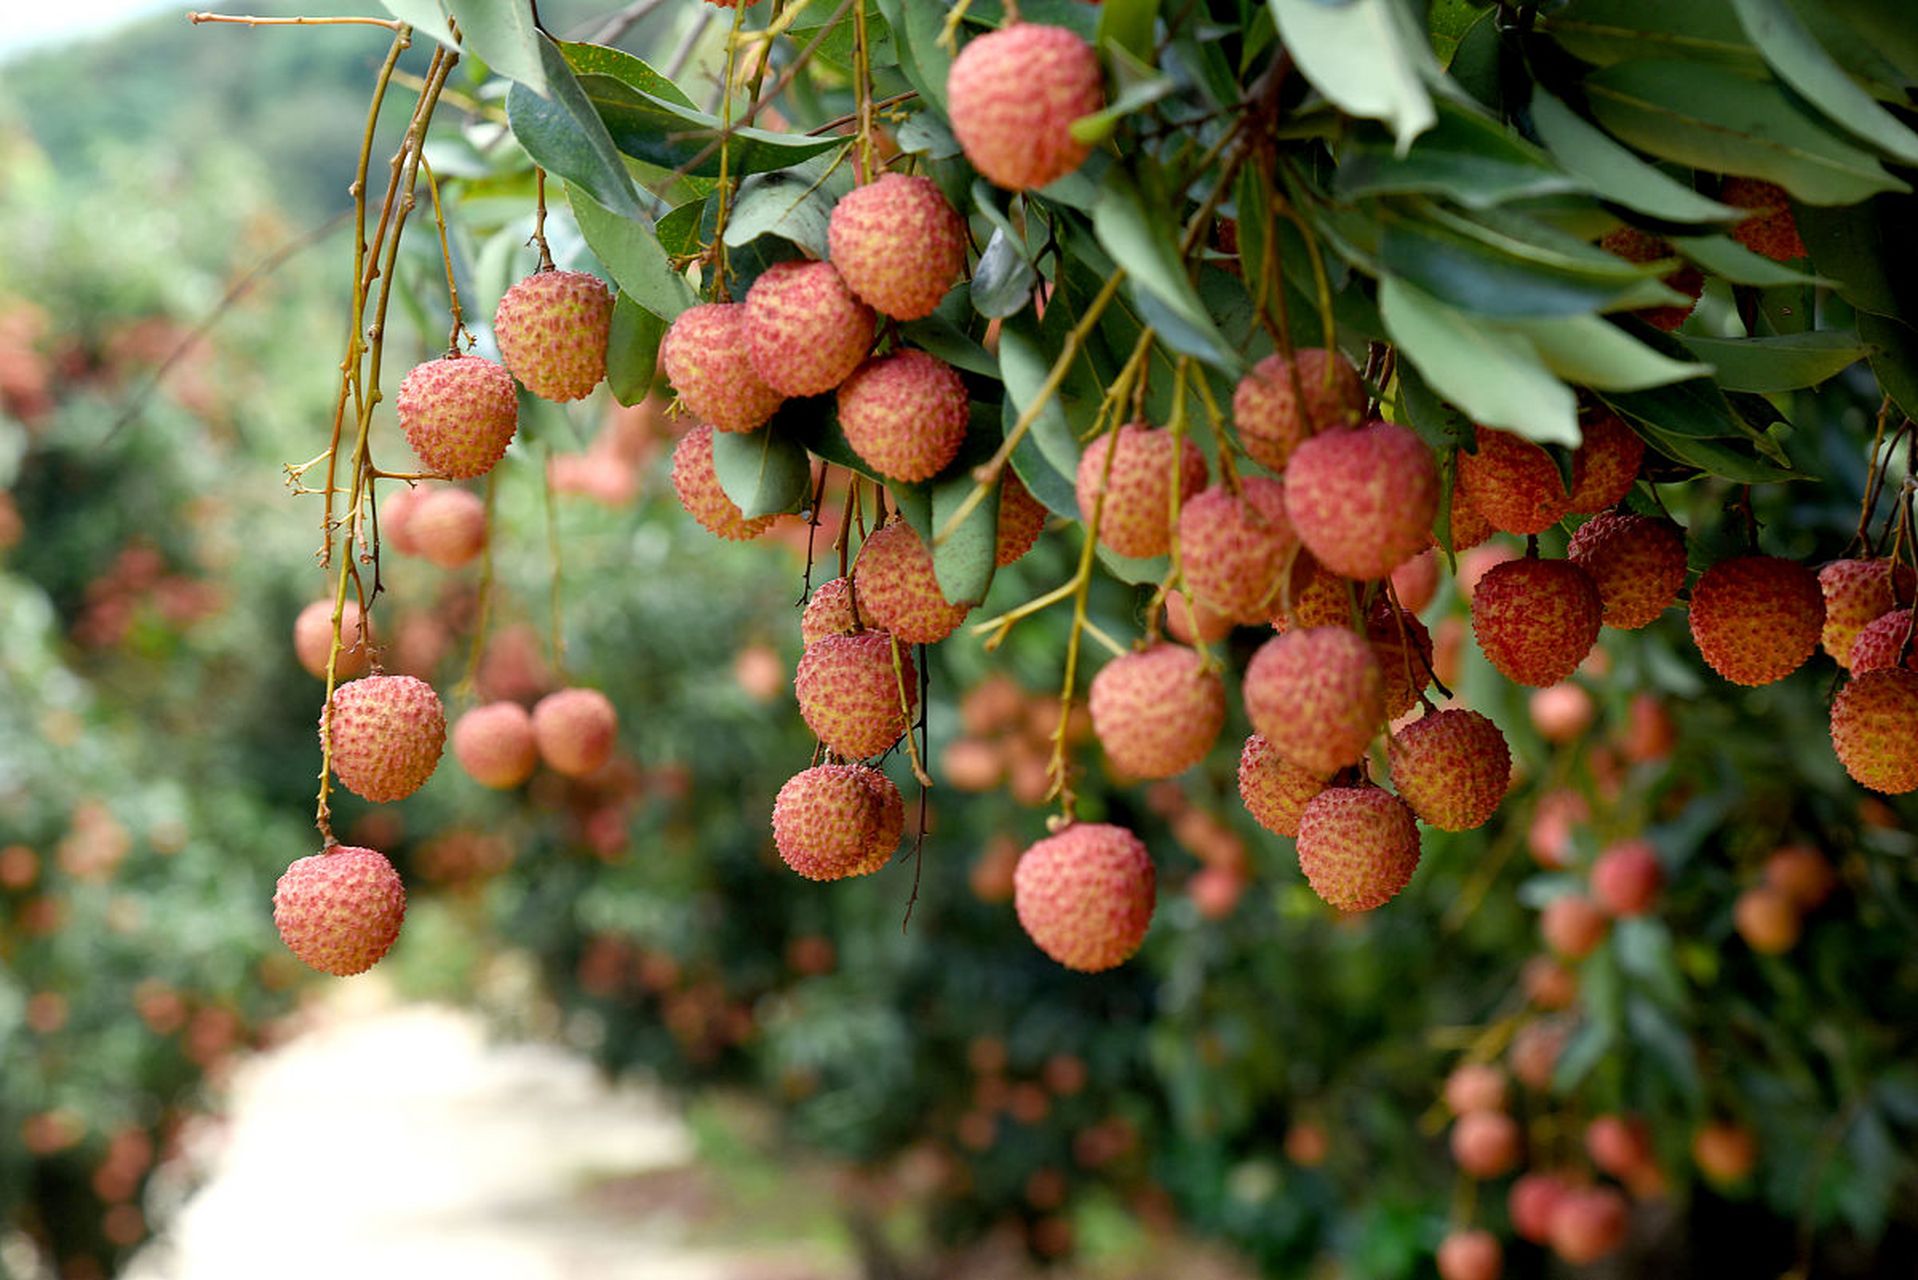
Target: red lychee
{"x": 1857, "y": 593}
{"x": 1416, "y": 581}
{"x": 1627, "y": 877}
{"x": 1767, "y": 919}
{"x": 849, "y": 693}
{"x": 704, "y": 357}
{"x": 1485, "y": 1144}
{"x": 1316, "y": 596}
{"x": 1618, "y": 1145}
{"x": 1802, "y": 874}
{"x": 1878, "y": 644}
{"x": 1363, "y": 500}
{"x": 1637, "y": 564}
{"x": 551, "y": 328}
{"x": 1475, "y": 1086}
{"x": 1275, "y": 791}
{"x": 1562, "y": 713}
{"x": 1724, "y": 1152}
{"x": 1512, "y": 483}
{"x": 1588, "y": 1223}
{"x": 1572, "y": 925}
{"x": 1547, "y": 983}
{"x": 1136, "y": 517}
{"x": 1467, "y": 527}
{"x": 1536, "y": 620}
{"x": 1874, "y": 729}
{"x": 1157, "y": 712}
{"x": 1634, "y": 245}
{"x": 1273, "y": 419}
{"x": 396, "y": 519}
{"x": 1756, "y": 619}
{"x": 1085, "y": 895}
{"x": 905, "y": 414}
{"x": 1012, "y": 96}
{"x": 1358, "y": 846}
{"x": 1530, "y": 1203}
{"x": 313, "y": 640}
{"x": 495, "y": 745}
{"x": 1772, "y": 231}
{"x": 386, "y": 734}
{"x": 805, "y": 330}
{"x": 1403, "y": 648}
{"x": 829, "y": 612}
{"x": 1605, "y": 463}
{"x": 1452, "y": 767}
{"x": 340, "y": 910}
{"x": 1470, "y": 1255}
{"x": 1233, "y": 547}
{"x": 898, "y": 590}
{"x": 576, "y": 730}
{"x": 697, "y": 485}
{"x": 448, "y": 527}
{"x": 837, "y": 820}
{"x": 898, "y": 244}
{"x": 1022, "y": 518}
{"x": 458, "y": 413}
{"x": 1317, "y": 696}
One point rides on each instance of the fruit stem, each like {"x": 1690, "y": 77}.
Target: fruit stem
{"x": 1081, "y": 587}
{"x": 949, "y": 33}
{"x": 862, "y": 89}
{"x": 905, "y": 706}
{"x": 392, "y": 24}
{"x": 446, "y": 256}
{"x": 539, "y": 220}
{"x": 469, "y": 682}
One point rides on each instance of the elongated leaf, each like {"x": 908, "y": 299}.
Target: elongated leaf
{"x": 565, "y": 136}
{"x": 604, "y": 60}
{"x": 502, "y": 34}
{"x": 763, "y": 471}
{"x": 1128, "y": 24}
{"x": 939, "y": 335}
{"x": 632, "y": 351}
{"x": 428, "y": 17}
{"x": 632, "y": 254}
{"x": 925, "y": 134}
{"x": 1493, "y": 374}
{"x": 1468, "y": 273}
{"x": 1466, "y": 156}
{"x": 672, "y": 136}
{"x": 1608, "y": 31}
{"x": 789, "y": 204}
{"x": 1696, "y": 408}
{"x": 1609, "y": 168}
{"x": 1362, "y": 58}
{"x": 963, "y": 564}
{"x": 1725, "y": 257}
{"x": 1592, "y": 352}
{"x": 915, "y": 27}
{"x": 1894, "y": 358}
{"x": 1145, "y": 248}
{"x": 1024, "y": 364}
{"x": 1733, "y": 460}
{"x": 1778, "y": 363}
{"x": 1002, "y": 282}
{"x": 1802, "y": 63}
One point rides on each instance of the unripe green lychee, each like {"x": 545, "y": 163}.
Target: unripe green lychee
{"x": 1772, "y": 231}
{"x": 1470, "y": 1255}
{"x": 386, "y": 735}
{"x": 1626, "y": 878}
{"x": 829, "y": 612}
{"x": 1452, "y": 767}
{"x": 1874, "y": 729}
{"x": 448, "y": 527}
{"x": 1756, "y": 619}
{"x": 339, "y": 910}
{"x": 313, "y": 640}
{"x": 1572, "y": 925}
{"x": 1634, "y": 245}
{"x": 905, "y": 414}
{"x": 1317, "y": 696}
{"x": 1605, "y": 463}
{"x": 1273, "y": 419}
{"x": 1363, "y": 500}
{"x": 699, "y": 491}
{"x": 704, "y": 356}
{"x": 1536, "y": 620}
{"x": 1157, "y": 712}
{"x": 1085, "y": 895}
{"x": 1588, "y": 1223}
{"x": 459, "y": 413}
{"x": 1403, "y": 648}
{"x": 1022, "y": 518}
{"x": 1485, "y": 1144}
{"x": 1857, "y": 593}
{"x": 1512, "y": 483}
{"x": 849, "y": 694}
{"x": 576, "y": 730}
{"x": 495, "y": 745}
{"x": 1233, "y": 547}
{"x": 1012, "y": 96}
{"x": 805, "y": 331}
{"x": 898, "y": 244}
{"x": 837, "y": 820}
{"x": 1136, "y": 519}
{"x": 898, "y": 590}
{"x": 1358, "y": 846}
{"x": 551, "y": 328}
{"x": 1637, "y": 564}
{"x": 1877, "y": 646}
{"x": 1274, "y": 790}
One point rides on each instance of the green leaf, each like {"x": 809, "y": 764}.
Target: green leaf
{"x": 676, "y": 137}
{"x": 1024, "y": 363}
{"x": 1002, "y": 281}
{"x": 1854, "y": 247}
{"x": 1365, "y": 58}
{"x": 915, "y": 27}
{"x": 1608, "y": 31}
{"x": 1593, "y": 352}
{"x": 1146, "y": 249}
{"x": 791, "y": 204}
{"x": 837, "y": 45}
{"x": 632, "y": 254}
{"x": 1771, "y": 364}
{"x": 632, "y": 351}
{"x": 1882, "y": 32}
{"x": 1802, "y": 63}
{"x": 1098, "y": 126}
{"x": 604, "y": 60}
{"x": 1493, "y": 374}
{"x": 1894, "y": 358}
{"x": 1730, "y": 260}
{"x": 1696, "y": 408}
{"x": 1587, "y": 1047}
{"x": 1659, "y": 1033}
{"x": 679, "y": 230}
{"x": 940, "y": 336}
{"x": 1466, "y": 156}
{"x": 1132, "y": 569}
{"x": 1737, "y": 463}
{"x": 1609, "y": 168}
{"x": 763, "y": 471}
{"x": 1716, "y": 119}
{"x": 564, "y": 135}
{"x": 925, "y": 134}
{"x": 502, "y": 34}
{"x": 1440, "y": 425}
{"x": 963, "y": 564}
{"x": 428, "y": 17}
{"x": 1128, "y": 24}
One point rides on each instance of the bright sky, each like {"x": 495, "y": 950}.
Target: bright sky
{"x": 39, "y": 22}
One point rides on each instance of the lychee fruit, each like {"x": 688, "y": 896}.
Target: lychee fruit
{"x": 1772, "y": 231}
{"x": 1233, "y": 547}
{"x": 849, "y": 693}
{"x": 898, "y": 590}
{"x": 313, "y": 640}
{"x": 1572, "y": 925}
{"x": 1724, "y": 1152}
{"x": 1530, "y": 1203}
{"x": 1358, "y": 846}
{"x": 1512, "y": 483}
{"x": 1485, "y": 1144}
{"x": 1634, "y": 245}
{"x": 1012, "y": 96}
{"x": 1475, "y": 1086}
{"x": 1452, "y": 767}
{"x": 1085, "y": 895}
{"x": 1363, "y": 500}
{"x": 1467, "y": 527}
{"x": 576, "y": 730}
{"x": 1136, "y": 518}
{"x": 1605, "y": 463}
{"x": 1022, "y": 518}
{"x": 386, "y": 733}
{"x": 837, "y": 820}
{"x": 1274, "y": 790}
{"x": 1618, "y": 1145}
{"x": 1588, "y": 1223}
{"x": 1627, "y": 877}
{"x": 1416, "y": 581}
{"x": 551, "y": 328}
{"x": 1874, "y": 729}
{"x": 1470, "y": 1255}
{"x": 905, "y": 414}
{"x": 1536, "y": 620}
{"x": 829, "y": 612}
{"x": 395, "y": 519}
{"x": 1637, "y": 564}
{"x": 459, "y": 413}
{"x": 898, "y": 243}
{"x": 805, "y": 330}
{"x": 1316, "y": 596}
{"x": 495, "y": 745}
{"x": 448, "y": 527}
{"x": 1767, "y": 919}
{"x": 1535, "y": 1052}
{"x": 1756, "y": 619}
{"x": 1878, "y": 644}
{"x": 704, "y": 356}
{"x": 340, "y": 910}
{"x": 1189, "y": 623}
{"x": 1550, "y": 838}
{"x": 1403, "y": 648}
{"x": 1547, "y": 983}
{"x": 1274, "y": 418}
{"x": 1562, "y": 713}
{"x": 1317, "y": 696}
{"x": 1157, "y": 712}
{"x": 697, "y": 485}
{"x": 1857, "y": 593}
{"x": 1802, "y": 874}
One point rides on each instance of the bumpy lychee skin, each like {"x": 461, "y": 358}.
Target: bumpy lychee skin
{"x": 849, "y": 694}
{"x": 1157, "y": 712}
{"x": 704, "y": 357}
{"x": 898, "y": 590}
{"x": 1637, "y": 564}
{"x": 313, "y": 640}
{"x": 805, "y": 330}
{"x": 447, "y": 527}
{"x": 1234, "y": 547}
{"x": 1513, "y": 483}
{"x": 1358, "y": 846}
{"x": 1012, "y": 96}
{"x": 829, "y": 612}
{"x": 1635, "y": 245}
{"x": 1605, "y": 463}
{"x": 387, "y": 733}
{"x": 576, "y": 730}
{"x": 905, "y": 414}
{"x": 1317, "y": 696}
{"x": 1756, "y": 619}
{"x": 1022, "y": 518}
{"x": 697, "y": 485}
{"x": 1877, "y": 646}
{"x": 1317, "y": 597}
{"x": 1136, "y": 519}
{"x": 551, "y": 328}
{"x": 339, "y": 911}
{"x": 1468, "y": 527}
{"x": 1773, "y": 231}
{"x": 1274, "y": 790}
{"x": 1085, "y": 895}
{"x": 1403, "y": 648}
{"x": 837, "y": 820}
{"x": 1627, "y": 877}
{"x": 1470, "y": 1255}
{"x": 1874, "y": 729}
{"x": 1273, "y": 419}
{"x": 495, "y": 745}
{"x": 1363, "y": 500}
{"x": 1857, "y": 593}
{"x": 1536, "y": 620}
{"x": 1452, "y": 767}
{"x": 459, "y": 413}
{"x": 898, "y": 244}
